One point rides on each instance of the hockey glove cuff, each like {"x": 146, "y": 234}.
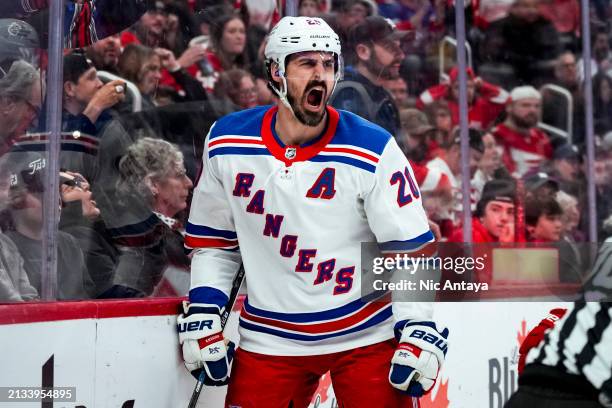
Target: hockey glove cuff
{"x": 204, "y": 348}
{"x": 416, "y": 362}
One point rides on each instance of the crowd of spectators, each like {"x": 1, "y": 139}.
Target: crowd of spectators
{"x": 137, "y": 105}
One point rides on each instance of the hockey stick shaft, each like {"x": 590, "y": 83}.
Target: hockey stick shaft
{"x": 224, "y": 318}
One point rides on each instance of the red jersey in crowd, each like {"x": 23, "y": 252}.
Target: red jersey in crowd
{"x": 479, "y": 235}
{"x": 523, "y": 152}
{"x": 489, "y": 102}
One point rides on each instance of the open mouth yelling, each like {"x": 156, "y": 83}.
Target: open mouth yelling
{"x": 314, "y": 98}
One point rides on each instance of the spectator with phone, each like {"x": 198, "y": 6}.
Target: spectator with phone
{"x": 26, "y": 212}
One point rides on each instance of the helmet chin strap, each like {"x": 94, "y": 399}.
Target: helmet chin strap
{"x": 282, "y": 93}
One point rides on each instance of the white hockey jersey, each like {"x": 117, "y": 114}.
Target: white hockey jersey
{"x": 296, "y": 217}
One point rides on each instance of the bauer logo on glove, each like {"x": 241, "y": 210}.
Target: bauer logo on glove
{"x": 418, "y": 358}
{"x": 204, "y": 347}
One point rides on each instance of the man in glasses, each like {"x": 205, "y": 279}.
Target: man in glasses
{"x": 375, "y": 54}
{"x": 21, "y": 95}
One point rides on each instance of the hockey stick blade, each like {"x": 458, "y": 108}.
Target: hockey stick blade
{"x": 236, "y": 284}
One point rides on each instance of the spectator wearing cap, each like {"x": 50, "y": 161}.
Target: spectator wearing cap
{"x": 524, "y": 41}
{"x": 565, "y": 168}
{"x": 21, "y": 96}
{"x": 417, "y": 136}
{"x": 540, "y": 184}
{"x": 525, "y": 147}
{"x": 485, "y": 101}
{"x": 493, "y": 219}
{"x": 18, "y": 41}
{"x": 26, "y": 211}
{"x": 493, "y": 222}
{"x": 86, "y": 100}
{"x": 85, "y": 116}
{"x": 376, "y": 56}
{"x": 151, "y": 29}
{"x": 14, "y": 282}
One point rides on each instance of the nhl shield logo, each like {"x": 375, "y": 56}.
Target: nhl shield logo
{"x": 290, "y": 153}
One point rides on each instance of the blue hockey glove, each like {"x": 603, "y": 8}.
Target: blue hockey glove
{"x": 416, "y": 362}
{"x": 204, "y": 348}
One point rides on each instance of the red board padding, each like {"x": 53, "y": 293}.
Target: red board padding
{"x": 17, "y": 313}
{"x": 33, "y": 312}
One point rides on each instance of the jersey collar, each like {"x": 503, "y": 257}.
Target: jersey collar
{"x": 291, "y": 154}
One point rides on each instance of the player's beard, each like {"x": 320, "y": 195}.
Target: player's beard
{"x": 306, "y": 117}
{"x": 526, "y": 122}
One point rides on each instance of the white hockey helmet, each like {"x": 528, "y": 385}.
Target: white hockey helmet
{"x": 300, "y": 34}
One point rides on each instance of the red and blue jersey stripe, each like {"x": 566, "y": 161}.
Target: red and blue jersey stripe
{"x": 424, "y": 245}
{"x": 201, "y": 236}
{"x": 313, "y": 326}
{"x": 238, "y": 145}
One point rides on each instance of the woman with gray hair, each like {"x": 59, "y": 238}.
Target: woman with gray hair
{"x": 21, "y": 96}
{"x": 154, "y": 169}
{"x": 152, "y": 176}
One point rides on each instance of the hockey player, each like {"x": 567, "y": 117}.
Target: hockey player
{"x": 291, "y": 191}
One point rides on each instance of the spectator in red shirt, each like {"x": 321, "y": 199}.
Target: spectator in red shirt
{"x": 493, "y": 222}
{"x": 564, "y": 14}
{"x": 486, "y": 101}
{"x": 494, "y": 216}
{"x": 227, "y": 50}
{"x": 525, "y": 146}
